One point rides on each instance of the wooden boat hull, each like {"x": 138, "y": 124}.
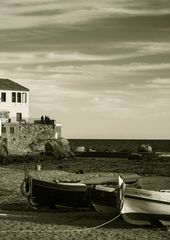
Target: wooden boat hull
{"x": 104, "y": 200}
{"x": 108, "y": 210}
{"x": 42, "y": 193}
{"x": 105, "y": 197}
{"x": 145, "y": 207}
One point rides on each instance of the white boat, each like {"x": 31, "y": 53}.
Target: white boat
{"x": 144, "y": 207}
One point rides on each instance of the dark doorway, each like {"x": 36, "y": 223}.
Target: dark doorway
{"x": 19, "y": 117}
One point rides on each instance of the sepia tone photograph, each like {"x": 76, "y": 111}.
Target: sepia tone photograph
{"x": 85, "y": 119}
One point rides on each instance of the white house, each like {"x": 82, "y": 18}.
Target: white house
{"x": 14, "y": 101}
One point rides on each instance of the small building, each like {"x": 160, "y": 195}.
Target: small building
{"x": 14, "y": 101}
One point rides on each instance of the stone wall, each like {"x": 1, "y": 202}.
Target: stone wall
{"x": 23, "y": 138}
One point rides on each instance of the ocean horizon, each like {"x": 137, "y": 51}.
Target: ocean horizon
{"x": 158, "y": 145}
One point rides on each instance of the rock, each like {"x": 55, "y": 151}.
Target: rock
{"x": 59, "y": 148}
{"x": 80, "y": 149}
{"x": 145, "y": 148}
{"x": 3, "y": 148}
{"x": 135, "y": 156}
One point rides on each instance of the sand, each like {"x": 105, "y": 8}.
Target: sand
{"x": 16, "y": 223}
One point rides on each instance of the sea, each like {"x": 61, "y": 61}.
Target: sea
{"x": 158, "y": 145}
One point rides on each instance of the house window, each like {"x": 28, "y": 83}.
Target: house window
{"x": 3, "y": 129}
{"x": 19, "y": 97}
{"x": 4, "y": 114}
{"x": 13, "y": 96}
{"x": 11, "y": 129}
{"x": 24, "y": 97}
{"x": 1, "y": 114}
{"x": 3, "y": 97}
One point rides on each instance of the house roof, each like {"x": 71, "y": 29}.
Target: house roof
{"x": 7, "y": 84}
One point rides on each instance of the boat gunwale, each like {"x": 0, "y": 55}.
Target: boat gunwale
{"x": 145, "y": 194}
{"x": 58, "y": 186}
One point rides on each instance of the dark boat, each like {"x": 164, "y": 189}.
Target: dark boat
{"x": 105, "y": 200}
{"x": 56, "y": 194}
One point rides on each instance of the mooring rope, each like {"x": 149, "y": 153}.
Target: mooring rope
{"x": 23, "y": 188}
{"x": 67, "y": 230}
{"x": 101, "y": 225}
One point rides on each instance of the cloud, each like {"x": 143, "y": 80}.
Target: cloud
{"x": 158, "y": 83}
{"x": 79, "y": 81}
{"x": 28, "y": 14}
{"x": 140, "y": 48}
{"x": 94, "y": 62}
{"x": 50, "y": 57}
{"x": 152, "y": 48}
{"x": 117, "y": 51}
{"x": 161, "y": 81}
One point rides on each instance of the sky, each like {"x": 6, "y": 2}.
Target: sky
{"x": 100, "y": 67}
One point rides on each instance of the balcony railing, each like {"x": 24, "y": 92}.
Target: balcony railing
{"x": 32, "y": 120}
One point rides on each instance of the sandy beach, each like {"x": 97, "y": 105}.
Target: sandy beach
{"x": 17, "y": 223}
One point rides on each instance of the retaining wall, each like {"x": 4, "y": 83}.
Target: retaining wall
{"x": 22, "y": 138}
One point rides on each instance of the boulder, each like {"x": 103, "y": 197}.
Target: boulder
{"x": 3, "y": 148}
{"x": 145, "y": 148}
{"x": 3, "y": 151}
{"x": 80, "y": 149}
{"x": 135, "y": 156}
{"x": 59, "y": 148}
{"x": 36, "y": 146}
